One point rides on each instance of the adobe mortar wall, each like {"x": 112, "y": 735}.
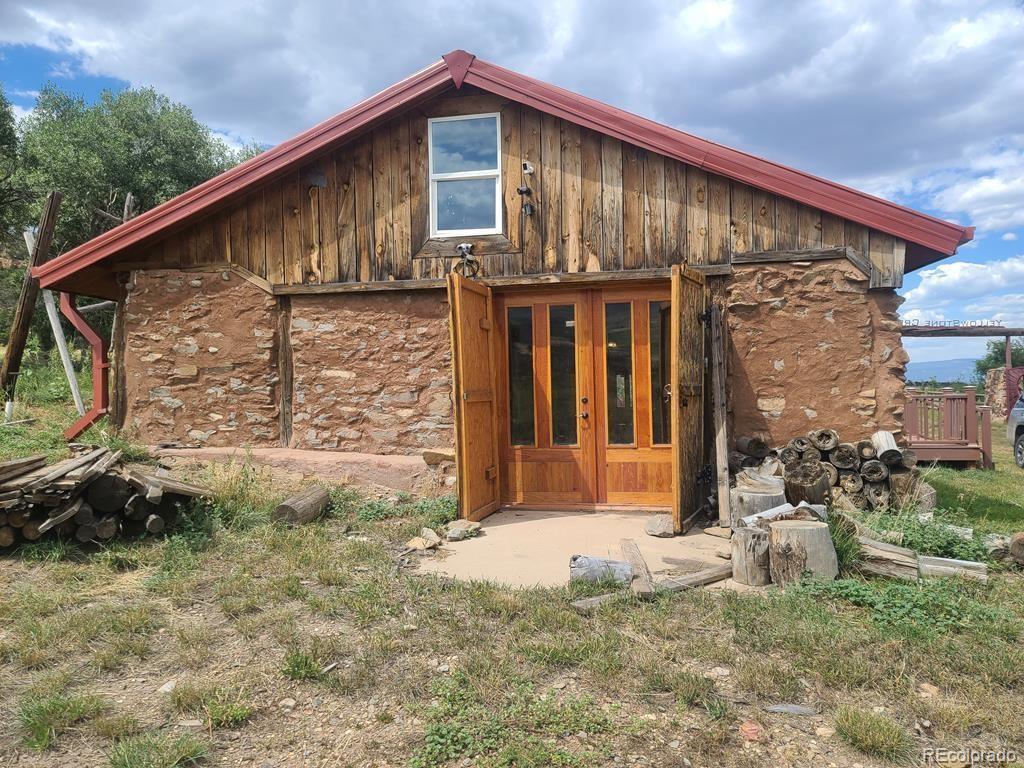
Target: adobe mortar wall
{"x": 201, "y": 360}
{"x": 372, "y": 372}
{"x": 811, "y": 347}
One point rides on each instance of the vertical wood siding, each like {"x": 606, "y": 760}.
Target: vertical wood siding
{"x": 361, "y": 213}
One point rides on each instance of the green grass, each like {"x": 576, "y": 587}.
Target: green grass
{"x": 991, "y": 500}
{"x": 157, "y": 750}
{"x": 43, "y": 718}
{"x": 222, "y": 706}
{"x": 873, "y": 734}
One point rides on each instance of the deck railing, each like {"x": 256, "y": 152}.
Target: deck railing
{"x": 949, "y": 425}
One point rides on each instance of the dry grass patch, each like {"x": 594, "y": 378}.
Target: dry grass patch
{"x": 221, "y": 706}
{"x": 158, "y": 750}
{"x": 43, "y": 718}
{"x": 873, "y": 734}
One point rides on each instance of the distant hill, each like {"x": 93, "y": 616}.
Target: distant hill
{"x": 942, "y": 370}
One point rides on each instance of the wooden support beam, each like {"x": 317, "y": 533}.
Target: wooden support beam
{"x": 718, "y": 395}
{"x": 809, "y": 254}
{"x": 18, "y": 337}
{"x": 926, "y": 331}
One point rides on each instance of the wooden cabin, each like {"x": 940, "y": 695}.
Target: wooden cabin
{"x": 475, "y": 259}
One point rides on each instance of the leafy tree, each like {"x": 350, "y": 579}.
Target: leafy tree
{"x": 135, "y": 141}
{"x": 995, "y": 356}
{"x": 13, "y": 197}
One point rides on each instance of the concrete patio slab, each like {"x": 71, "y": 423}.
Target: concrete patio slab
{"x": 526, "y": 549}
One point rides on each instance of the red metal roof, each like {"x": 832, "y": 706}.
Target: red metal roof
{"x": 460, "y": 67}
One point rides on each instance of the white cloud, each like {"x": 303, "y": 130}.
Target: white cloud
{"x": 951, "y": 282}
{"x": 1009, "y": 236}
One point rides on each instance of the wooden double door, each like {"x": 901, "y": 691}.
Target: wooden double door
{"x": 583, "y": 397}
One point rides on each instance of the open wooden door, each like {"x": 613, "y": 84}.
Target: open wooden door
{"x": 687, "y": 386}
{"x": 476, "y": 407}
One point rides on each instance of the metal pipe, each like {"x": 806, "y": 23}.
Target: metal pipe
{"x": 100, "y": 368}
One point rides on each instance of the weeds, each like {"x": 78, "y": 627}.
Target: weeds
{"x": 157, "y": 750}
{"x": 222, "y": 706}
{"x": 873, "y": 734}
{"x": 43, "y": 718}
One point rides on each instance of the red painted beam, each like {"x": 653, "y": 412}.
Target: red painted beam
{"x": 100, "y": 368}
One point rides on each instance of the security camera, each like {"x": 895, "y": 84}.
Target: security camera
{"x": 527, "y": 167}
{"x": 523, "y": 190}
{"x": 464, "y": 249}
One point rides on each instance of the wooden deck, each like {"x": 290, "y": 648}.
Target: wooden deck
{"x": 949, "y": 426}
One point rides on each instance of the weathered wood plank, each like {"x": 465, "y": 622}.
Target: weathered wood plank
{"x": 362, "y": 165}
{"x": 345, "y": 216}
{"x": 311, "y": 179}
{"x": 293, "y": 257}
{"x": 239, "y": 234}
{"x": 329, "y": 199}
{"x": 881, "y": 253}
{"x": 742, "y": 218}
{"x": 512, "y": 173}
{"x": 533, "y": 233}
{"x": 696, "y": 216}
{"x": 654, "y": 210}
{"x": 419, "y": 204}
{"x": 550, "y": 184}
{"x": 273, "y": 223}
{"x": 611, "y": 201}
{"x": 632, "y": 207}
{"x": 590, "y": 170}
{"x": 809, "y": 227}
{"x": 763, "y": 205}
{"x": 675, "y": 212}
{"x": 383, "y": 227}
{"x": 787, "y": 224}
{"x": 572, "y": 198}
{"x": 255, "y": 235}
{"x": 719, "y": 230}
{"x": 401, "y": 262}
{"x": 811, "y": 254}
{"x": 831, "y": 230}
{"x": 856, "y": 236}
{"x": 222, "y": 238}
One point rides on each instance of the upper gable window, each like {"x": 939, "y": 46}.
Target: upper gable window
{"x": 465, "y": 176}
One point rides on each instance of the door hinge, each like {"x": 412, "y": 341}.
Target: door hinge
{"x": 705, "y": 316}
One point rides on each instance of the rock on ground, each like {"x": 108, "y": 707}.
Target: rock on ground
{"x": 660, "y": 526}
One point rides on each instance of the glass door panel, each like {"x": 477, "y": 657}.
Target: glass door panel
{"x": 618, "y": 333}
{"x": 562, "y": 346}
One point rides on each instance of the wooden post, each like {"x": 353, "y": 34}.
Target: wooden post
{"x": 947, "y": 432}
{"x": 1008, "y": 354}
{"x": 718, "y": 392}
{"x": 971, "y": 415}
{"x": 11, "y": 366}
{"x": 910, "y": 416}
{"x": 986, "y": 437}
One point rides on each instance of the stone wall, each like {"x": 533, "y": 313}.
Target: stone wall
{"x": 811, "y": 347}
{"x": 372, "y": 372}
{"x": 995, "y": 391}
{"x": 201, "y": 360}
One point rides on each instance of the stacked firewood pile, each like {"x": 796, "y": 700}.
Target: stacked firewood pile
{"x": 91, "y": 496}
{"x": 820, "y": 468}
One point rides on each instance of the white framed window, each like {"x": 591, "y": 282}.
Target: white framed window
{"x": 465, "y": 175}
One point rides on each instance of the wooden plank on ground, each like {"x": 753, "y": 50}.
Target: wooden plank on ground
{"x": 699, "y": 579}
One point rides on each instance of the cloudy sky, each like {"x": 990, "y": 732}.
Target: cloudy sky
{"x": 920, "y": 102}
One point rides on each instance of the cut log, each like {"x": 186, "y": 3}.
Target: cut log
{"x": 699, "y": 579}
{"x": 798, "y": 546}
{"x": 746, "y": 503}
{"x": 908, "y": 458}
{"x": 850, "y": 481}
{"x": 845, "y": 456}
{"x": 85, "y": 515}
{"x": 874, "y": 471}
{"x": 155, "y": 524}
{"x": 945, "y": 567}
{"x": 885, "y": 447}
{"x": 789, "y": 455}
{"x": 138, "y": 508}
{"x": 750, "y": 561}
{"x": 85, "y": 533}
{"x": 599, "y": 569}
{"x": 800, "y": 443}
{"x": 642, "y": 584}
{"x": 132, "y": 528}
{"x": 303, "y": 507}
{"x": 786, "y": 511}
{"x": 30, "y": 531}
{"x": 109, "y": 493}
{"x": 8, "y": 536}
{"x": 824, "y": 440}
{"x": 752, "y": 446}
{"x": 807, "y": 482}
{"x": 880, "y": 558}
{"x": 107, "y": 527}
{"x": 877, "y": 495}
{"x": 866, "y": 449}
{"x": 811, "y": 454}
{"x": 17, "y": 517}
{"x": 831, "y": 471}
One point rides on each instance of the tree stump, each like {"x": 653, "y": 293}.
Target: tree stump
{"x": 303, "y": 507}
{"x": 831, "y": 471}
{"x": 886, "y": 448}
{"x": 866, "y": 449}
{"x": 874, "y": 471}
{"x": 851, "y": 481}
{"x": 845, "y": 456}
{"x": 750, "y": 560}
{"x": 796, "y": 546}
{"x": 752, "y": 446}
{"x": 824, "y": 440}
{"x": 109, "y": 493}
{"x": 807, "y": 482}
